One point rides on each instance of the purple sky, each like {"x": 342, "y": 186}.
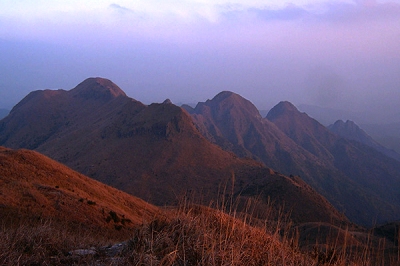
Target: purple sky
{"x": 337, "y": 54}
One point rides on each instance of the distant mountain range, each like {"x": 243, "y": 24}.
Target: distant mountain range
{"x": 153, "y": 152}
{"x": 293, "y": 143}
{"x": 384, "y": 129}
{"x": 327, "y": 116}
{"x": 351, "y": 131}
{"x": 221, "y": 148}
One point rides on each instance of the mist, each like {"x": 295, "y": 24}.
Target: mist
{"x": 343, "y": 55}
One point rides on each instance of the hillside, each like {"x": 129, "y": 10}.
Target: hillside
{"x": 153, "y": 152}
{"x": 376, "y": 176}
{"x": 53, "y": 215}
{"x": 235, "y": 124}
{"x": 34, "y": 185}
{"x": 293, "y": 143}
{"x": 351, "y": 131}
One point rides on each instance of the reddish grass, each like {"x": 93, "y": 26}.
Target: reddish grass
{"x": 188, "y": 235}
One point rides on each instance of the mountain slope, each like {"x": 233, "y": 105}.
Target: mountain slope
{"x": 235, "y": 124}
{"x": 153, "y": 152}
{"x": 35, "y": 185}
{"x": 377, "y": 175}
{"x": 351, "y": 131}
{"x": 292, "y": 143}
{"x": 309, "y": 133}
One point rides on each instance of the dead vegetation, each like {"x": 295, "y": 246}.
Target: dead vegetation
{"x": 187, "y": 235}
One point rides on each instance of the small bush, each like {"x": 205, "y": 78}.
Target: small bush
{"x": 114, "y": 217}
{"x": 91, "y": 202}
{"x": 125, "y": 221}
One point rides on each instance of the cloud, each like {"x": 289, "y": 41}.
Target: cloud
{"x": 290, "y": 12}
{"x": 332, "y": 11}
{"x": 366, "y": 11}
{"x": 121, "y": 9}
{"x": 310, "y": 52}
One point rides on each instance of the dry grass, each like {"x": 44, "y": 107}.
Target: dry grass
{"x": 187, "y": 235}
{"x": 47, "y": 242}
{"x": 197, "y": 235}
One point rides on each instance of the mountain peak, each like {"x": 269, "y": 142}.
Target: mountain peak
{"x": 347, "y": 129}
{"x": 97, "y": 88}
{"x": 229, "y": 101}
{"x": 167, "y": 101}
{"x": 281, "y": 108}
{"x": 223, "y": 95}
{"x": 352, "y": 131}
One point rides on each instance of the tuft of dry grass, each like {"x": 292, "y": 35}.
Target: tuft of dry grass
{"x": 197, "y": 235}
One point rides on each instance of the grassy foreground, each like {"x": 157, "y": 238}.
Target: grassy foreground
{"x": 188, "y": 235}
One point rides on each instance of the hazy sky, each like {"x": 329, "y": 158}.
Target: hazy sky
{"x": 337, "y": 54}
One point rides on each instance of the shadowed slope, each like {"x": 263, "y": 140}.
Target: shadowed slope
{"x": 235, "y": 124}
{"x": 293, "y": 143}
{"x": 306, "y": 132}
{"x": 376, "y": 176}
{"x": 351, "y": 131}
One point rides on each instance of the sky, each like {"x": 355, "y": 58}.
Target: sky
{"x": 333, "y": 54}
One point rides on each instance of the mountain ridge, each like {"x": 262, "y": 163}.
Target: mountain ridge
{"x": 351, "y": 158}
{"x": 154, "y": 152}
{"x": 351, "y": 131}
{"x": 293, "y": 143}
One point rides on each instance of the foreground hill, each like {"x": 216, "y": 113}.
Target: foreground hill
{"x": 34, "y": 185}
{"x": 293, "y": 143}
{"x": 154, "y": 152}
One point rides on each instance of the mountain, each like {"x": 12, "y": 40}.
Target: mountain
{"x": 374, "y": 173}
{"x": 3, "y": 113}
{"x": 154, "y": 152}
{"x": 384, "y": 128}
{"x": 350, "y": 130}
{"x": 293, "y": 143}
{"x": 33, "y": 185}
{"x": 327, "y": 116}
{"x": 235, "y": 124}
{"x": 303, "y": 130}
